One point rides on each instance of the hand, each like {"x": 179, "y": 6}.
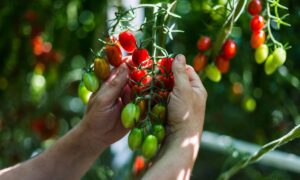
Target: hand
{"x": 102, "y": 117}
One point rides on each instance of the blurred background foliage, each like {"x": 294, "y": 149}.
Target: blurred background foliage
{"x": 45, "y": 44}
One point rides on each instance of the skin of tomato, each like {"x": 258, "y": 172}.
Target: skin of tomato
{"x": 114, "y": 55}
{"x": 255, "y": 7}
{"x": 257, "y": 23}
{"x": 165, "y": 65}
{"x": 279, "y": 56}
{"x": 147, "y": 64}
{"x": 149, "y": 146}
{"x": 229, "y": 49}
{"x": 261, "y": 53}
{"x": 223, "y": 64}
{"x": 91, "y": 81}
{"x": 140, "y": 55}
{"x": 199, "y": 62}
{"x": 130, "y": 115}
{"x": 137, "y": 76}
{"x": 204, "y": 43}
{"x": 159, "y": 113}
{"x": 258, "y": 38}
{"x": 101, "y": 68}
{"x": 213, "y": 73}
{"x": 138, "y": 165}
{"x": 127, "y": 41}
{"x": 135, "y": 138}
{"x": 83, "y": 93}
{"x": 159, "y": 132}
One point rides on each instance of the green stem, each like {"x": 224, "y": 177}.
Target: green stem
{"x": 269, "y": 26}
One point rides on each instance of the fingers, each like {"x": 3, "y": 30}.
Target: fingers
{"x": 179, "y": 71}
{"x": 195, "y": 80}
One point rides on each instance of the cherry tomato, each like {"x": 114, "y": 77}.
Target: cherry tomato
{"x": 229, "y": 49}
{"x": 166, "y": 82}
{"x": 114, "y": 54}
{"x": 130, "y": 64}
{"x": 204, "y": 43}
{"x": 199, "y": 62}
{"x": 159, "y": 132}
{"x": 149, "y": 146}
{"x": 270, "y": 65}
{"x": 140, "y": 55}
{"x": 261, "y": 53}
{"x": 135, "y": 138}
{"x": 222, "y": 64}
{"x": 83, "y": 93}
{"x": 159, "y": 113}
{"x": 147, "y": 64}
{"x": 45, "y": 127}
{"x": 138, "y": 165}
{"x": 257, "y": 23}
{"x": 255, "y": 7}
{"x": 101, "y": 68}
{"x": 142, "y": 105}
{"x": 213, "y": 73}
{"x": 127, "y": 41}
{"x": 139, "y": 76}
{"x": 258, "y": 38}
{"x": 91, "y": 81}
{"x": 130, "y": 115}
{"x": 165, "y": 65}
{"x": 279, "y": 56}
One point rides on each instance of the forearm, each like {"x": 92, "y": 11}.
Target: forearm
{"x": 69, "y": 158}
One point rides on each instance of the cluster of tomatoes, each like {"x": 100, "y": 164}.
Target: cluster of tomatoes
{"x": 222, "y": 62}
{"x": 258, "y": 38}
{"x": 150, "y": 82}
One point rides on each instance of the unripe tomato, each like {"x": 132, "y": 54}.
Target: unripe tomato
{"x": 257, "y": 23}
{"x": 91, "y": 81}
{"x": 114, "y": 54}
{"x": 229, "y": 49}
{"x": 270, "y": 65}
{"x": 127, "y": 41}
{"x": 279, "y": 56}
{"x": 261, "y": 53}
{"x": 140, "y": 55}
{"x": 101, "y": 68}
{"x": 199, "y": 62}
{"x": 83, "y": 93}
{"x": 159, "y": 132}
{"x": 165, "y": 65}
{"x": 158, "y": 113}
{"x": 255, "y": 7}
{"x": 130, "y": 115}
{"x": 135, "y": 138}
{"x": 149, "y": 146}
{"x": 130, "y": 64}
{"x": 213, "y": 73}
{"x": 258, "y": 38}
{"x": 142, "y": 105}
{"x": 204, "y": 43}
{"x": 218, "y": 13}
{"x": 222, "y": 64}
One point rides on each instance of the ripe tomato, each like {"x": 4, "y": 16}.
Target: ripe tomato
{"x": 140, "y": 55}
{"x": 127, "y": 41}
{"x": 258, "y": 38}
{"x": 159, "y": 113}
{"x": 213, "y": 73}
{"x": 130, "y": 64}
{"x": 114, "y": 54}
{"x": 204, "y": 43}
{"x": 138, "y": 165}
{"x": 255, "y": 7}
{"x": 148, "y": 64}
{"x": 149, "y": 146}
{"x": 130, "y": 115}
{"x": 222, "y": 64}
{"x": 83, "y": 93}
{"x": 257, "y": 23}
{"x": 165, "y": 65}
{"x": 199, "y": 62}
{"x": 139, "y": 76}
{"x": 101, "y": 68}
{"x": 279, "y": 56}
{"x": 261, "y": 53}
{"x": 91, "y": 81}
{"x": 135, "y": 138}
{"x": 166, "y": 82}
{"x": 229, "y": 49}
{"x": 159, "y": 132}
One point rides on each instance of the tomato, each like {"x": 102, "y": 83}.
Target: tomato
{"x": 148, "y": 64}
{"x": 140, "y": 77}
{"x": 222, "y": 64}
{"x": 45, "y": 127}
{"x": 159, "y": 132}
{"x": 279, "y": 56}
{"x": 166, "y": 82}
{"x": 149, "y": 146}
{"x": 83, "y": 93}
{"x": 199, "y": 62}
{"x": 135, "y": 138}
{"x": 229, "y": 49}
{"x": 140, "y": 55}
{"x": 257, "y": 23}
{"x": 138, "y": 165}
{"x": 114, "y": 54}
{"x": 159, "y": 113}
{"x": 213, "y": 73}
{"x": 218, "y": 13}
{"x": 101, "y": 68}
{"x": 165, "y": 65}
{"x": 130, "y": 64}
{"x": 255, "y": 7}
{"x": 204, "y": 43}
{"x": 261, "y": 53}
{"x": 130, "y": 115}
{"x": 270, "y": 65}
{"x": 91, "y": 81}
{"x": 127, "y": 41}
{"x": 142, "y": 105}
{"x": 258, "y": 38}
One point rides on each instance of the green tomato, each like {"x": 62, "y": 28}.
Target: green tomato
{"x": 159, "y": 132}
{"x": 218, "y": 13}
{"x": 83, "y": 93}
{"x": 150, "y": 146}
{"x": 130, "y": 115}
{"x": 270, "y": 65}
{"x": 261, "y": 53}
{"x": 222, "y": 2}
{"x": 249, "y": 104}
{"x": 159, "y": 113}
{"x": 135, "y": 138}
{"x": 206, "y": 6}
{"x": 213, "y": 73}
{"x": 91, "y": 81}
{"x": 279, "y": 56}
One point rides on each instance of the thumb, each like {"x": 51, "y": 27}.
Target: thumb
{"x": 179, "y": 71}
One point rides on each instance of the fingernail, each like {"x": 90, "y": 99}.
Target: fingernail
{"x": 179, "y": 58}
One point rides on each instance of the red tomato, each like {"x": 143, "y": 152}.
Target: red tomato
{"x": 138, "y": 165}
{"x": 257, "y": 23}
{"x": 229, "y": 49}
{"x": 255, "y": 7}
{"x": 130, "y": 64}
{"x": 204, "y": 43}
{"x": 127, "y": 41}
{"x": 166, "y": 82}
{"x": 258, "y": 38}
{"x": 165, "y": 65}
{"x": 199, "y": 62}
{"x": 222, "y": 64}
{"x": 138, "y": 75}
{"x": 140, "y": 55}
{"x": 147, "y": 64}
{"x": 114, "y": 54}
